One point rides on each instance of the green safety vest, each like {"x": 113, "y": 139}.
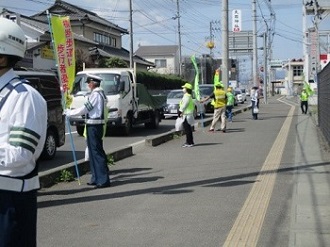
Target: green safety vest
{"x": 304, "y": 96}
{"x": 190, "y": 109}
{"x": 230, "y": 98}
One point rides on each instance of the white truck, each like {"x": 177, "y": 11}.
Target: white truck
{"x": 129, "y": 102}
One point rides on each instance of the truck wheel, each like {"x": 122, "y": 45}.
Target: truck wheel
{"x": 154, "y": 122}
{"x": 49, "y": 150}
{"x": 80, "y": 130}
{"x": 127, "y": 129}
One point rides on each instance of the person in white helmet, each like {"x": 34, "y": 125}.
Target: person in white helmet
{"x": 23, "y": 121}
{"x": 95, "y": 111}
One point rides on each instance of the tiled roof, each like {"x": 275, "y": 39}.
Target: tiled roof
{"x": 76, "y": 14}
{"x": 120, "y": 53}
{"x": 157, "y": 50}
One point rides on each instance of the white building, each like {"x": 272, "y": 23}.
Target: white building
{"x": 165, "y": 57}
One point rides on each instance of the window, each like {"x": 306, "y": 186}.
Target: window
{"x": 160, "y": 63}
{"x": 105, "y": 39}
{"x": 298, "y": 70}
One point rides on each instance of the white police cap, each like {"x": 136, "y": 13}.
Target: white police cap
{"x": 93, "y": 78}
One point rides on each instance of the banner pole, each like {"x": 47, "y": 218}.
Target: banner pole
{"x": 67, "y": 123}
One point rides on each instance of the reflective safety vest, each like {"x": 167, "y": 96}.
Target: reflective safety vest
{"x": 304, "y": 96}
{"x": 190, "y": 108}
{"x": 219, "y": 98}
{"x": 230, "y": 98}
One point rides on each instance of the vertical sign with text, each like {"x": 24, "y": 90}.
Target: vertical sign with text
{"x": 65, "y": 54}
{"x": 236, "y": 20}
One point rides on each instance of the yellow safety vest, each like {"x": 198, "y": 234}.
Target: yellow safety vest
{"x": 190, "y": 109}
{"x": 219, "y": 98}
{"x": 304, "y": 96}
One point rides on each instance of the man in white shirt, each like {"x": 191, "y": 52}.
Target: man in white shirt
{"x": 23, "y": 121}
{"x": 95, "y": 111}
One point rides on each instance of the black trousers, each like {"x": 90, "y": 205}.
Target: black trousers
{"x": 304, "y": 106}
{"x": 188, "y": 130}
{"x": 254, "y": 104}
{"x": 18, "y": 219}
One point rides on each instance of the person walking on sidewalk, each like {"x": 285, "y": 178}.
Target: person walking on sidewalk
{"x": 23, "y": 121}
{"x": 230, "y": 104}
{"x": 219, "y": 102}
{"x": 304, "y": 101}
{"x": 186, "y": 111}
{"x": 95, "y": 110}
{"x": 255, "y": 103}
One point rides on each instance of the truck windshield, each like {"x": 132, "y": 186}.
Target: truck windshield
{"x": 110, "y": 83}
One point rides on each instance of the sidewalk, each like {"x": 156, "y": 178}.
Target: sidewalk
{"x": 172, "y": 196}
{"x": 311, "y": 198}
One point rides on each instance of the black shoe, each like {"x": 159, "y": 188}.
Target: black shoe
{"x": 91, "y": 183}
{"x": 100, "y": 186}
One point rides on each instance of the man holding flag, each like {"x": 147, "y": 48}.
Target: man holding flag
{"x": 304, "y": 101}
{"x": 219, "y": 102}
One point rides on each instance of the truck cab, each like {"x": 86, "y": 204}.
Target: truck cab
{"x": 127, "y": 104}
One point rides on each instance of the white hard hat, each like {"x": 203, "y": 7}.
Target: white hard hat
{"x": 12, "y": 38}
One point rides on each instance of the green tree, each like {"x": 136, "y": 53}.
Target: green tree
{"x": 113, "y": 62}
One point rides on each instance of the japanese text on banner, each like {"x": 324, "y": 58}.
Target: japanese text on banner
{"x": 64, "y": 49}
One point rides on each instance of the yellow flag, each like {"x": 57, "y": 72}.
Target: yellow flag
{"x": 65, "y": 54}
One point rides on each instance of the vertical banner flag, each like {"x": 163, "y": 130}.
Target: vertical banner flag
{"x": 196, "y": 85}
{"x": 65, "y": 54}
{"x": 307, "y": 87}
{"x": 216, "y": 76}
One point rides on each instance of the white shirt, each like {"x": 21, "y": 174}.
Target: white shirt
{"x": 23, "y": 127}
{"x": 93, "y": 106}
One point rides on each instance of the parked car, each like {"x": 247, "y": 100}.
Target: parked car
{"x": 239, "y": 96}
{"x": 206, "y": 90}
{"x": 172, "y": 104}
{"x": 49, "y": 87}
{"x": 244, "y": 93}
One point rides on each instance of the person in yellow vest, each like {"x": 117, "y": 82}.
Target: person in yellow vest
{"x": 186, "y": 110}
{"x": 219, "y": 102}
{"x": 230, "y": 104}
{"x": 304, "y": 101}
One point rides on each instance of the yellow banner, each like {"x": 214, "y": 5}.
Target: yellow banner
{"x": 65, "y": 54}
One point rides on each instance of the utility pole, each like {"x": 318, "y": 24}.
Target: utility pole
{"x": 179, "y": 33}
{"x": 255, "y": 48}
{"x": 131, "y": 34}
{"x": 265, "y": 68}
{"x": 224, "y": 48}
{"x": 305, "y": 45}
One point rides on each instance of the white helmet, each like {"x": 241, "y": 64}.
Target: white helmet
{"x": 12, "y": 38}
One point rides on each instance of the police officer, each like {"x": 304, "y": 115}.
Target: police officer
{"x": 219, "y": 102}
{"x": 95, "y": 111}
{"x": 23, "y": 121}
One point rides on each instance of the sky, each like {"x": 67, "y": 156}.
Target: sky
{"x": 155, "y": 21}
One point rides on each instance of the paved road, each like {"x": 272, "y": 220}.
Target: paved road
{"x": 113, "y": 140}
{"x": 259, "y": 184}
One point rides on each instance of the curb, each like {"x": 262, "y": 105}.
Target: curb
{"x": 50, "y": 177}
